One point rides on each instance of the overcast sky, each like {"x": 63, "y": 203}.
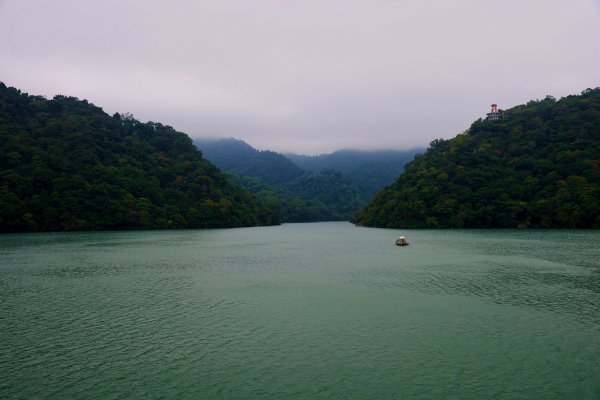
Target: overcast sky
{"x": 303, "y": 76}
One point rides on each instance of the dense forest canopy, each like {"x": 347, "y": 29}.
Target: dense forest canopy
{"x": 67, "y": 165}
{"x": 538, "y": 167}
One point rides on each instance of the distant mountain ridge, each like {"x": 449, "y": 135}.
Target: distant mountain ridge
{"x": 299, "y": 196}
{"x": 537, "y": 167}
{"x": 238, "y": 157}
{"x": 368, "y": 170}
{"x": 307, "y": 188}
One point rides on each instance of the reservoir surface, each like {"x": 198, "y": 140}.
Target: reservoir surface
{"x": 300, "y": 311}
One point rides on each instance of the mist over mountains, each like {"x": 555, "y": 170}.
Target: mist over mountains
{"x": 67, "y": 165}
{"x": 368, "y": 170}
{"x": 308, "y": 188}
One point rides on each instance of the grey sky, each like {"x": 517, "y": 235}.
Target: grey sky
{"x": 305, "y": 76}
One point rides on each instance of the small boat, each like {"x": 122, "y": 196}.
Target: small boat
{"x": 401, "y": 241}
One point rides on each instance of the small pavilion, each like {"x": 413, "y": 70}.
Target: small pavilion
{"x": 495, "y": 114}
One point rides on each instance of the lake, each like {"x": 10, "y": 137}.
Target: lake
{"x": 300, "y": 311}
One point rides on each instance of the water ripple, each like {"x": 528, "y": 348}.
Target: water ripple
{"x": 300, "y": 311}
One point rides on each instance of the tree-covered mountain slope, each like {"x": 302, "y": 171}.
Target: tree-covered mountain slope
{"x": 300, "y": 196}
{"x": 367, "y": 170}
{"x": 67, "y": 165}
{"x": 538, "y": 167}
{"x": 239, "y": 158}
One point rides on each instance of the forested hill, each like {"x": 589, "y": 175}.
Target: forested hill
{"x": 538, "y": 167}
{"x": 239, "y": 158}
{"x": 67, "y": 165}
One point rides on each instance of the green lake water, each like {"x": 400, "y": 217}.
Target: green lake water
{"x": 300, "y": 311}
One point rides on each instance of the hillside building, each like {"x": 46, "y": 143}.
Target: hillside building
{"x": 495, "y": 114}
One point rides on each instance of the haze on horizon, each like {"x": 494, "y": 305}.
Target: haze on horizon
{"x": 303, "y": 76}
